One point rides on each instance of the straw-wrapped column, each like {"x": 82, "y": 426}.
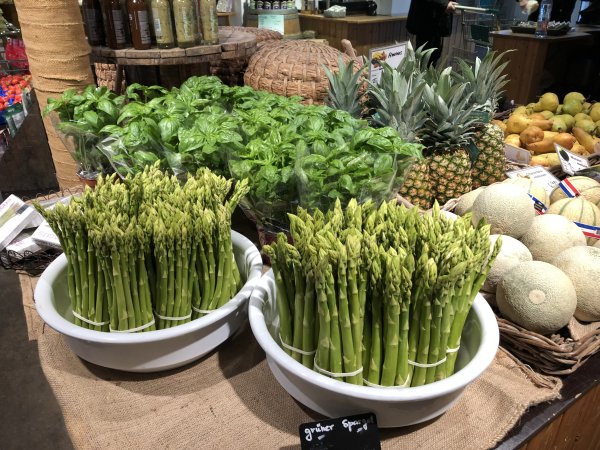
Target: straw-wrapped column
{"x": 58, "y": 55}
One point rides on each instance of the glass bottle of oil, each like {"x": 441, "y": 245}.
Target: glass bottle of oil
{"x": 186, "y": 22}
{"x": 162, "y": 22}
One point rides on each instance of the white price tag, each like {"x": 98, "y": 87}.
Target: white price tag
{"x": 392, "y": 55}
{"x": 517, "y": 154}
{"x": 539, "y": 174}
{"x": 570, "y": 162}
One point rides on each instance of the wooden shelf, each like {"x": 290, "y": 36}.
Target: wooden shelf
{"x": 232, "y": 44}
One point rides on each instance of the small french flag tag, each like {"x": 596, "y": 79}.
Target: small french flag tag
{"x": 589, "y": 230}
{"x": 538, "y": 205}
{"x": 569, "y": 189}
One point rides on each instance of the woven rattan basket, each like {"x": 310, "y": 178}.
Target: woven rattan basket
{"x": 231, "y": 71}
{"x": 106, "y": 75}
{"x": 559, "y": 354}
{"x": 293, "y": 67}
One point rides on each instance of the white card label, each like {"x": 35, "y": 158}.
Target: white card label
{"x": 392, "y": 55}
{"x": 517, "y": 154}
{"x": 570, "y": 162}
{"x": 539, "y": 174}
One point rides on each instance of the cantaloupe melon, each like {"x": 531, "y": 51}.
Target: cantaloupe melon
{"x": 587, "y": 187}
{"x": 582, "y": 266}
{"x": 507, "y": 208}
{"x": 537, "y": 296}
{"x": 577, "y": 209}
{"x": 549, "y": 235}
{"x": 465, "y": 202}
{"x": 531, "y": 187}
{"x": 512, "y": 252}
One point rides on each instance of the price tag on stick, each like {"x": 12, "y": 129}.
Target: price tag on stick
{"x": 352, "y": 432}
{"x": 569, "y": 161}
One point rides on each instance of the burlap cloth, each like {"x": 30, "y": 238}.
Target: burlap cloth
{"x": 230, "y": 400}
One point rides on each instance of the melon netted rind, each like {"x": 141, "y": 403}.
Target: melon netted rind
{"x": 587, "y": 187}
{"x": 551, "y": 234}
{"x": 582, "y": 266}
{"x": 508, "y": 209}
{"x": 577, "y": 209}
{"x": 532, "y": 187}
{"x": 537, "y": 296}
{"x": 512, "y": 253}
{"x": 465, "y": 202}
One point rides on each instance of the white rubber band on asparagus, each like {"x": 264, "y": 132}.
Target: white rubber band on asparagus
{"x": 453, "y": 350}
{"x": 91, "y": 322}
{"x": 402, "y": 386}
{"x": 172, "y": 318}
{"x": 134, "y": 330}
{"x": 294, "y": 349}
{"x": 202, "y": 311}
{"x": 337, "y": 375}
{"x": 426, "y": 366}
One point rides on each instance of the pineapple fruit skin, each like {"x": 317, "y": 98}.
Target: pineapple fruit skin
{"x": 449, "y": 174}
{"x": 490, "y": 165}
{"x": 417, "y": 186}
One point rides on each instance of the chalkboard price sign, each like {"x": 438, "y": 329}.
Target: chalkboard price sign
{"x": 356, "y": 432}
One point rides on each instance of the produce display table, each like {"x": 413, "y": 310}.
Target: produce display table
{"x": 177, "y": 64}
{"x": 538, "y": 63}
{"x": 231, "y": 398}
{"x": 364, "y": 32}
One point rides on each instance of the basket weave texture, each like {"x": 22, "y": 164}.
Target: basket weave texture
{"x": 106, "y": 75}
{"x": 293, "y": 67}
{"x": 554, "y": 355}
{"x": 231, "y": 71}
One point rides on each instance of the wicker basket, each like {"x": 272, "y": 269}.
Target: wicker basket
{"x": 106, "y": 75}
{"x": 293, "y": 68}
{"x": 231, "y": 71}
{"x": 559, "y": 354}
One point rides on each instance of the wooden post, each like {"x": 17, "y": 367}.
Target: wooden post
{"x": 58, "y": 55}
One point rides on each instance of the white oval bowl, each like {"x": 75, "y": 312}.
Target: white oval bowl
{"x": 394, "y": 407}
{"x": 151, "y": 351}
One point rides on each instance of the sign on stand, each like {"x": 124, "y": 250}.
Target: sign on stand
{"x": 392, "y": 55}
{"x": 273, "y": 22}
{"x": 570, "y": 162}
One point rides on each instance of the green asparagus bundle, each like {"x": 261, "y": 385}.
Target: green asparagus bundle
{"x": 150, "y": 252}
{"x": 378, "y": 295}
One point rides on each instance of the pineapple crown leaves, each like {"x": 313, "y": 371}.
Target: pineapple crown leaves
{"x": 486, "y": 81}
{"x": 399, "y": 102}
{"x": 449, "y": 109}
{"x": 344, "y": 90}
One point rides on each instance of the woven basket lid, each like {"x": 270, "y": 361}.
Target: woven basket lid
{"x": 293, "y": 67}
{"x": 262, "y": 34}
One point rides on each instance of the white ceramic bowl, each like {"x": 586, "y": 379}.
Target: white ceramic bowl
{"x": 153, "y": 350}
{"x": 393, "y": 407}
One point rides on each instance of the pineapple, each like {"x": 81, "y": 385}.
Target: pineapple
{"x": 490, "y": 165}
{"x": 399, "y": 104}
{"x": 446, "y": 135}
{"x": 416, "y": 187}
{"x": 486, "y": 82}
{"x": 345, "y": 89}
